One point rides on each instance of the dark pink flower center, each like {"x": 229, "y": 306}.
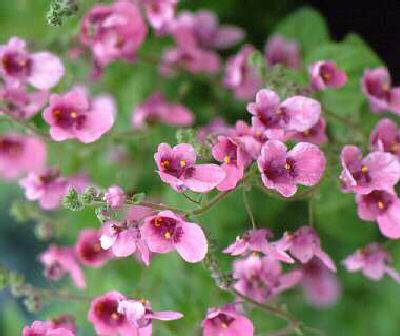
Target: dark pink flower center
{"x": 327, "y": 72}
{"x": 167, "y": 228}
{"x": 106, "y": 310}
{"x": 280, "y": 171}
{"x": 54, "y": 271}
{"x": 17, "y": 64}
{"x": 273, "y": 118}
{"x": 173, "y": 166}
{"x": 91, "y": 250}
{"x": 222, "y": 320}
{"x": 361, "y": 175}
{"x": 378, "y": 88}
{"x": 378, "y": 201}
{"x": 230, "y": 153}
{"x": 67, "y": 118}
{"x": 10, "y": 146}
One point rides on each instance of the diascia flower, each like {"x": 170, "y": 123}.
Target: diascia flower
{"x": 383, "y": 207}
{"x": 115, "y": 197}
{"x": 166, "y": 232}
{"x": 261, "y": 278}
{"x": 386, "y": 137}
{"x": 235, "y": 153}
{"x": 376, "y": 171}
{"x": 376, "y": 86}
{"x": 240, "y": 76}
{"x": 156, "y": 108}
{"x": 278, "y": 50}
{"x": 45, "y": 328}
{"x": 227, "y": 321}
{"x": 159, "y": 12}
{"x": 74, "y": 115}
{"x": 373, "y": 261}
{"x": 88, "y": 249}
{"x": 113, "y": 31}
{"x": 20, "y": 154}
{"x": 326, "y": 74}
{"x": 60, "y": 260}
{"x": 140, "y": 314}
{"x": 296, "y": 113}
{"x": 315, "y": 135}
{"x": 177, "y": 167}
{"x": 103, "y": 314}
{"x": 282, "y": 170}
{"x": 42, "y": 70}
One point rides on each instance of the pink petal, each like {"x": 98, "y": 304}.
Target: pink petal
{"x": 204, "y": 177}
{"x": 47, "y": 69}
{"x": 193, "y": 244}
{"x": 389, "y": 221}
{"x": 125, "y": 244}
{"x": 155, "y": 242}
{"x": 166, "y": 315}
{"x": 232, "y": 177}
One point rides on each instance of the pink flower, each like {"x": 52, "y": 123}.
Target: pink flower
{"x": 256, "y": 241}
{"x": 103, "y": 314}
{"x": 44, "y": 328}
{"x": 373, "y": 261}
{"x": 22, "y": 104}
{"x": 376, "y": 86}
{"x": 73, "y": 115}
{"x": 315, "y": 135}
{"x": 202, "y": 30}
{"x": 115, "y": 197}
{"x": 64, "y": 321}
{"x": 383, "y": 207}
{"x": 376, "y": 171}
{"x": 47, "y": 187}
{"x": 88, "y": 249}
{"x": 20, "y": 154}
{"x": 140, "y": 314}
{"x": 166, "y": 232}
{"x": 159, "y": 12}
{"x": 113, "y": 31}
{"x": 296, "y": 113}
{"x": 177, "y": 167}
{"x": 58, "y": 261}
{"x": 236, "y": 154}
{"x": 386, "y": 137}
{"x": 240, "y": 76}
{"x": 261, "y": 278}
{"x": 326, "y": 74}
{"x": 226, "y": 321}
{"x": 278, "y": 50}
{"x": 321, "y": 286}
{"x": 282, "y": 170}
{"x": 124, "y": 239}
{"x": 304, "y": 244}
{"x": 157, "y": 108}
{"x": 42, "y": 70}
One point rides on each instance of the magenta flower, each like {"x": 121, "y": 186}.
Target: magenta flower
{"x": 20, "y": 154}
{"x": 140, "y": 314}
{"x": 240, "y": 76}
{"x": 326, "y": 74}
{"x": 177, "y": 167}
{"x": 278, "y": 50}
{"x": 42, "y": 70}
{"x": 321, "y": 286}
{"x": 156, "y": 108}
{"x": 58, "y": 261}
{"x": 115, "y": 197}
{"x": 159, "y": 12}
{"x": 256, "y": 241}
{"x": 124, "y": 240}
{"x": 202, "y": 30}
{"x": 113, "y": 32}
{"x": 383, "y": 207}
{"x": 22, "y": 104}
{"x": 376, "y": 86}
{"x": 45, "y": 328}
{"x": 166, "y": 232}
{"x": 386, "y": 137}
{"x": 236, "y": 154}
{"x": 282, "y": 170}
{"x": 47, "y": 187}
{"x": 73, "y": 115}
{"x": 304, "y": 244}
{"x": 88, "y": 249}
{"x": 261, "y": 278}
{"x": 103, "y": 314}
{"x": 376, "y": 171}
{"x": 373, "y": 261}
{"x": 315, "y": 135}
{"x": 296, "y": 113}
{"x": 226, "y": 321}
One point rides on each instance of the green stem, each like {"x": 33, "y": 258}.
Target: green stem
{"x": 248, "y": 209}
{"x": 27, "y": 126}
{"x": 311, "y": 211}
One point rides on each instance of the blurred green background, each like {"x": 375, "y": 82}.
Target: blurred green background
{"x": 365, "y": 307}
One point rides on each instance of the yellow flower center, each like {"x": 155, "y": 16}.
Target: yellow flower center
{"x": 227, "y": 159}
{"x": 167, "y": 235}
{"x": 381, "y": 205}
{"x": 364, "y": 169}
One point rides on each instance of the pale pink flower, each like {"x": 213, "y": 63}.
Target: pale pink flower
{"x": 115, "y": 197}
{"x": 278, "y": 50}
{"x": 159, "y": 12}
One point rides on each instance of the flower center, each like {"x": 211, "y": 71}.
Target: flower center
{"x": 68, "y": 118}
{"x": 364, "y": 169}
{"x": 381, "y": 205}
{"x": 16, "y": 64}
{"x": 165, "y": 164}
{"x": 10, "y": 146}
{"x": 227, "y": 159}
{"x": 182, "y": 163}
{"x": 167, "y": 228}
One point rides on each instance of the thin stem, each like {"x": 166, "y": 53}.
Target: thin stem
{"x": 249, "y": 211}
{"x": 208, "y": 205}
{"x": 311, "y": 211}
{"x": 27, "y": 126}
{"x": 190, "y": 198}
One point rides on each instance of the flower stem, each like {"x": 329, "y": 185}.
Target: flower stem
{"x": 249, "y": 211}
